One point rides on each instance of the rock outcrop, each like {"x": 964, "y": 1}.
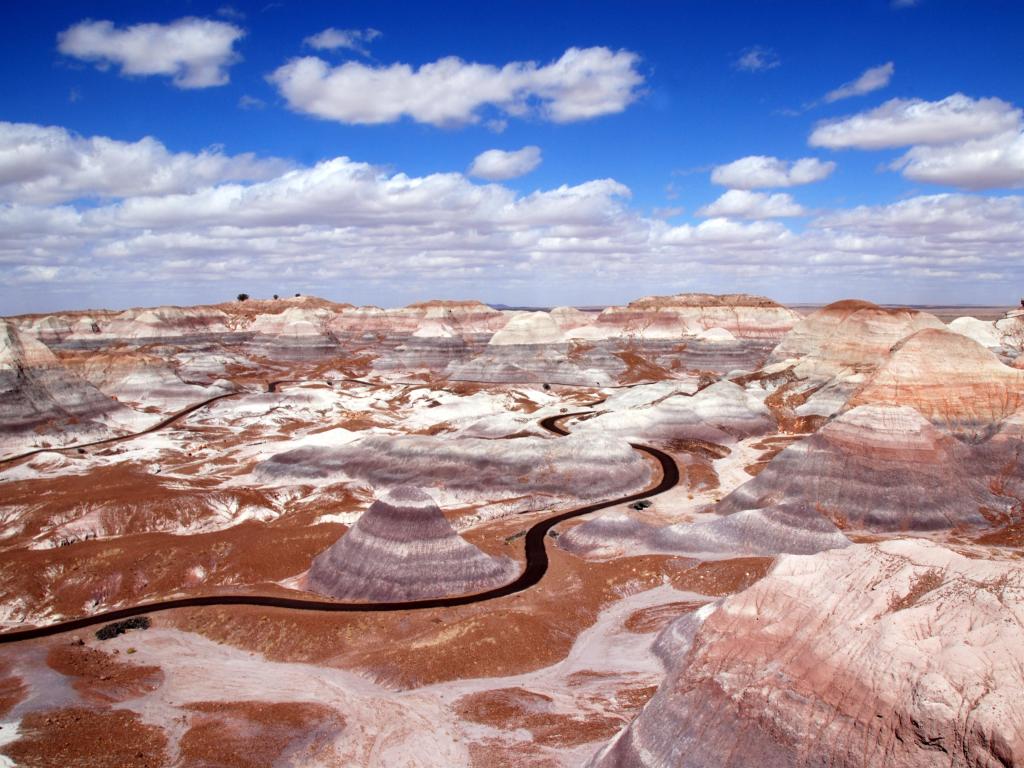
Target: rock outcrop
{"x": 876, "y": 468}
{"x": 690, "y": 314}
{"x": 982, "y": 331}
{"x": 720, "y": 413}
{"x": 784, "y": 528}
{"x": 536, "y": 469}
{"x": 901, "y": 654}
{"x": 848, "y": 336}
{"x": 951, "y": 380}
{"x": 403, "y": 548}
{"x": 43, "y": 403}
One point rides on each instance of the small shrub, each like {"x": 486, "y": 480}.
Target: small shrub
{"x": 243, "y": 297}
{"x": 120, "y": 627}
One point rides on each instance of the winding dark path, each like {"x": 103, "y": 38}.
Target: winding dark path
{"x": 536, "y": 556}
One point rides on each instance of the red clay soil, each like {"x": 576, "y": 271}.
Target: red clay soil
{"x": 101, "y": 676}
{"x": 408, "y": 649}
{"x": 770, "y": 447}
{"x": 129, "y": 570}
{"x": 1010, "y": 535}
{"x": 251, "y": 733}
{"x": 640, "y": 369}
{"x": 514, "y": 708}
{"x": 655, "y": 618}
{"x": 133, "y": 498}
{"x": 703, "y": 448}
{"x": 496, "y": 753}
{"x": 721, "y": 577}
{"x": 86, "y": 738}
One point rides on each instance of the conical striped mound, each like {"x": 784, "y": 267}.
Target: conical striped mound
{"x": 403, "y": 548}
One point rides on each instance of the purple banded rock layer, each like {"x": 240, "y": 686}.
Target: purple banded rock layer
{"x": 142, "y": 380}
{"x": 403, "y": 548}
{"x": 43, "y": 401}
{"x": 902, "y": 654}
{"x": 879, "y": 468}
{"x": 785, "y": 528}
{"x": 576, "y": 466}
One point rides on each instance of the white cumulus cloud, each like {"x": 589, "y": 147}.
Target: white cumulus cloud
{"x": 744, "y": 204}
{"x": 755, "y": 171}
{"x": 47, "y": 164}
{"x": 997, "y": 161}
{"x": 350, "y": 39}
{"x": 498, "y": 164}
{"x": 195, "y": 53}
{"x": 871, "y": 80}
{"x": 958, "y": 141}
{"x": 902, "y": 122}
{"x": 581, "y": 84}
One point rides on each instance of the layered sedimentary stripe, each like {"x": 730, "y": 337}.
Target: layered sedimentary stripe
{"x": 403, "y": 548}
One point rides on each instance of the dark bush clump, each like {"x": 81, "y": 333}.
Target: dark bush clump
{"x": 120, "y": 627}
{"x": 243, "y": 297}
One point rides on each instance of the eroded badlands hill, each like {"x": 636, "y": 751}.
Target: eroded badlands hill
{"x": 403, "y": 548}
{"x": 747, "y": 536}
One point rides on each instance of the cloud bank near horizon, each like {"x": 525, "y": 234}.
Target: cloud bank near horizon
{"x": 75, "y": 216}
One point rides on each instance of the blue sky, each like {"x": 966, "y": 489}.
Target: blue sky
{"x": 688, "y": 86}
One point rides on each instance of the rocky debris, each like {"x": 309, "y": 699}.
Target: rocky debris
{"x": 76, "y": 736}
{"x": 256, "y": 733}
{"x": 103, "y": 677}
{"x": 403, "y": 548}
{"x": 905, "y": 654}
{"x": 951, "y": 380}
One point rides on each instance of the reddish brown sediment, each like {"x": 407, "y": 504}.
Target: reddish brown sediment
{"x": 513, "y": 708}
{"x": 100, "y": 676}
{"x": 87, "y": 738}
{"x": 250, "y": 733}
